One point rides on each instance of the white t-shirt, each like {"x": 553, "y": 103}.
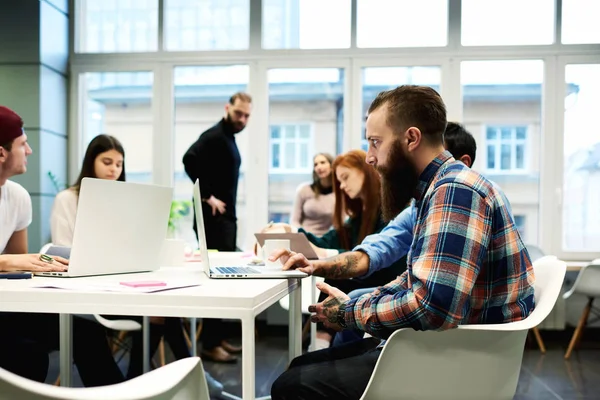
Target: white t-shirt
{"x": 62, "y": 219}
{"x": 15, "y": 211}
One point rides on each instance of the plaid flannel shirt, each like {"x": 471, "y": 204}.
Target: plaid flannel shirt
{"x": 467, "y": 263}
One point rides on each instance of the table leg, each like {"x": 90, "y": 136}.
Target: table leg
{"x": 146, "y": 344}
{"x": 248, "y": 359}
{"x": 193, "y": 327}
{"x": 295, "y": 324}
{"x": 66, "y": 349}
{"x": 313, "y": 327}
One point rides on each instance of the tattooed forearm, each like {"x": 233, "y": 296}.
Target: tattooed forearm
{"x": 347, "y": 265}
{"x": 331, "y": 307}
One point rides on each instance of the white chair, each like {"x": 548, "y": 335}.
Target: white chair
{"x": 587, "y": 284}
{"x": 469, "y": 362}
{"x": 180, "y": 380}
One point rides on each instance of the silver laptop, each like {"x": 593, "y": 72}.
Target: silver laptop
{"x": 247, "y": 271}
{"x": 120, "y": 228}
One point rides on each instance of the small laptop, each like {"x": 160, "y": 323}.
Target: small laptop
{"x": 247, "y": 271}
{"x": 120, "y": 228}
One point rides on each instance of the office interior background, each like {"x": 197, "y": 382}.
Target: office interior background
{"x": 523, "y": 77}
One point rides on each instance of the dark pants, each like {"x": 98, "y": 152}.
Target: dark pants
{"x": 171, "y": 330}
{"x": 220, "y": 230}
{"x": 335, "y": 373}
{"x": 221, "y": 234}
{"x": 27, "y": 338}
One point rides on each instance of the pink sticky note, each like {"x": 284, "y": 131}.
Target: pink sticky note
{"x": 137, "y": 284}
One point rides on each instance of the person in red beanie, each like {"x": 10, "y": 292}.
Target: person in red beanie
{"x": 27, "y": 338}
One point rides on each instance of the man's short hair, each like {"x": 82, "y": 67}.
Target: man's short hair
{"x": 244, "y": 97}
{"x": 459, "y": 141}
{"x": 412, "y": 105}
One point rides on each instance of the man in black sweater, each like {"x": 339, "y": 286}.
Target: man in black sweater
{"x": 214, "y": 159}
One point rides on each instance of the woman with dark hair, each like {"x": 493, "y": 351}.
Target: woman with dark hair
{"x": 357, "y": 190}
{"x": 104, "y": 159}
{"x": 313, "y": 207}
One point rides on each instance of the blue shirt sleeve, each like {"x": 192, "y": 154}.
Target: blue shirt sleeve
{"x": 392, "y": 243}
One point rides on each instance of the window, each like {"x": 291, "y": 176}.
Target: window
{"x": 580, "y": 21}
{"x": 506, "y": 148}
{"x": 111, "y": 26}
{"x": 502, "y": 109}
{"x": 305, "y": 118}
{"x": 120, "y": 104}
{"x": 207, "y": 24}
{"x": 306, "y": 24}
{"x": 402, "y": 23}
{"x": 200, "y": 96}
{"x": 581, "y": 165}
{"x": 290, "y": 148}
{"x": 378, "y": 79}
{"x": 507, "y": 22}
{"x": 520, "y": 224}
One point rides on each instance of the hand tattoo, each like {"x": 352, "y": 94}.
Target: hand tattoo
{"x": 331, "y": 307}
{"x": 344, "y": 267}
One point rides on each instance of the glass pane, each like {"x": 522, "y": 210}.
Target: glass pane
{"x": 520, "y": 156}
{"x": 290, "y": 155}
{"x": 308, "y": 102}
{"x": 290, "y": 132}
{"x": 580, "y": 21}
{"x": 394, "y": 23}
{"x": 506, "y": 133}
{"x": 275, "y": 132}
{"x": 505, "y": 156}
{"x": 117, "y": 27}
{"x": 491, "y": 133}
{"x": 207, "y": 25}
{"x": 304, "y": 131}
{"x": 378, "y": 79}
{"x": 521, "y": 132}
{"x": 201, "y": 94}
{"x": 491, "y": 156}
{"x": 276, "y": 148}
{"x": 581, "y": 179}
{"x": 507, "y": 22}
{"x": 510, "y": 92}
{"x": 306, "y": 24}
{"x": 122, "y": 110}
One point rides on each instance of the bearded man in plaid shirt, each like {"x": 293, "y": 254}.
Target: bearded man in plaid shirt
{"x": 467, "y": 263}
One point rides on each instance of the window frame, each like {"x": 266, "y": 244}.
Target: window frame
{"x": 498, "y": 142}
{"x": 297, "y": 142}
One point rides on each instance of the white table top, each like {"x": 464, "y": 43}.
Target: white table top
{"x": 223, "y": 298}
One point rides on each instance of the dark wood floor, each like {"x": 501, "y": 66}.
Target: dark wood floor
{"x": 542, "y": 377}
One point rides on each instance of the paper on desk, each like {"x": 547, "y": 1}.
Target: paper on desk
{"x": 113, "y": 287}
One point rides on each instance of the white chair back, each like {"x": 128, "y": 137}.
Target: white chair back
{"x": 180, "y": 380}
{"x": 470, "y": 362}
{"x": 587, "y": 282}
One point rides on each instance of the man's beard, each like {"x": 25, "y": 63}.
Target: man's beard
{"x": 398, "y": 182}
{"x": 234, "y": 127}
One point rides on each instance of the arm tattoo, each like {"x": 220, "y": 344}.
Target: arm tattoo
{"x": 344, "y": 266}
{"x": 331, "y": 307}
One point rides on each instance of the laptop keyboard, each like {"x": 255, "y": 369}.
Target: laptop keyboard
{"x": 236, "y": 270}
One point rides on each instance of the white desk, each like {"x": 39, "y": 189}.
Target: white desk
{"x": 240, "y": 299}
